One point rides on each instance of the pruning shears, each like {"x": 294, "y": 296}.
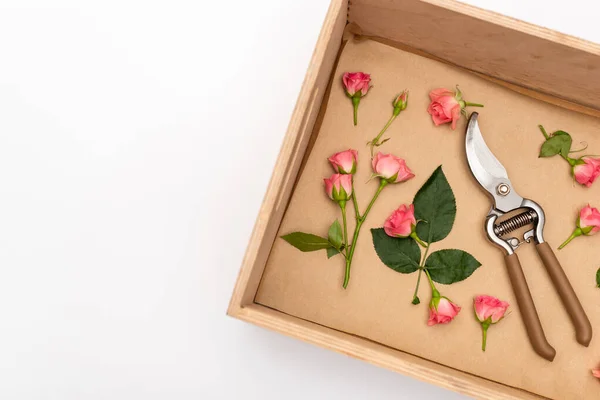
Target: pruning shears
{"x": 509, "y": 213}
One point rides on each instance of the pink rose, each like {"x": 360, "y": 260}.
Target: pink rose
{"x": 586, "y": 173}
{"x": 401, "y": 223}
{"x": 444, "y": 107}
{"x": 489, "y": 309}
{"x": 588, "y": 223}
{"x": 356, "y": 82}
{"x": 589, "y": 220}
{"x": 344, "y": 162}
{"x": 441, "y": 310}
{"x": 339, "y": 187}
{"x": 391, "y": 168}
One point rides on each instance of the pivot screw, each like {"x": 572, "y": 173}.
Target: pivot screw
{"x": 503, "y": 189}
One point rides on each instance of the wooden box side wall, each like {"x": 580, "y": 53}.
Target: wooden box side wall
{"x": 485, "y": 42}
{"x": 290, "y": 156}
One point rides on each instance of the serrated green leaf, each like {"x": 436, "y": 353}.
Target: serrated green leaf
{"x": 435, "y": 208}
{"x": 598, "y": 278}
{"x": 335, "y": 234}
{"x": 450, "y": 266}
{"x": 306, "y": 241}
{"x": 400, "y": 254}
{"x": 559, "y": 143}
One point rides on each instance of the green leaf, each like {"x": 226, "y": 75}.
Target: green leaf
{"x": 558, "y": 143}
{"x": 435, "y": 208}
{"x": 306, "y": 241}
{"x": 400, "y": 254}
{"x": 332, "y": 251}
{"x": 416, "y": 300}
{"x": 598, "y": 278}
{"x": 450, "y": 266}
{"x": 335, "y": 234}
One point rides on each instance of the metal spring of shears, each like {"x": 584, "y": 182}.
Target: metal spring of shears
{"x": 516, "y": 222}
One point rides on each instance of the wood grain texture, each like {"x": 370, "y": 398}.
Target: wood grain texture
{"x": 290, "y": 156}
{"x": 492, "y": 44}
{"x": 381, "y": 355}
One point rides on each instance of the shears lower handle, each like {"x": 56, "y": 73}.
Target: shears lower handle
{"x": 583, "y": 327}
{"x": 533, "y": 326}
{"x": 529, "y": 314}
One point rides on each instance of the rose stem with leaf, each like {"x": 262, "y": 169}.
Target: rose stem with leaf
{"x": 400, "y": 103}
{"x": 340, "y": 188}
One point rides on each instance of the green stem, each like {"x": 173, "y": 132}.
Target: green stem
{"x": 484, "y": 328}
{"x": 343, "y": 207}
{"x": 355, "y": 101}
{"x": 431, "y": 283}
{"x": 473, "y": 104}
{"x": 359, "y": 222}
{"x": 544, "y": 132}
{"x": 375, "y": 141}
{"x": 421, "y": 265}
{"x": 417, "y": 286}
{"x": 576, "y": 232}
{"x": 354, "y": 201}
{"x": 418, "y": 239}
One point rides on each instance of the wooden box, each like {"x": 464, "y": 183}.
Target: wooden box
{"x": 544, "y": 66}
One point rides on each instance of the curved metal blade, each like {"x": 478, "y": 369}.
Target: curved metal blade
{"x": 488, "y": 171}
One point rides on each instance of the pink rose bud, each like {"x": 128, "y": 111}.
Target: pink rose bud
{"x": 390, "y": 168}
{"x": 588, "y": 223}
{"x": 356, "y": 83}
{"x": 586, "y": 170}
{"x": 401, "y": 223}
{"x": 339, "y": 187}
{"x": 446, "y": 106}
{"x": 488, "y": 311}
{"x": 401, "y": 102}
{"x": 441, "y": 309}
{"x": 344, "y": 162}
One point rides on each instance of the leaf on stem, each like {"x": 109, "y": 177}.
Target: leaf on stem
{"x": 435, "y": 208}
{"x": 335, "y": 234}
{"x": 400, "y": 254}
{"x": 332, "y": 251}
{"x": 558, "y": 143}
{"x": 598, "y": 278}
{"x": 450, "y": 266}
{"x": 306, "y": 241}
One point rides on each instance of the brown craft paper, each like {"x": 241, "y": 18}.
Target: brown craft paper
{"x": 377, "y": 304}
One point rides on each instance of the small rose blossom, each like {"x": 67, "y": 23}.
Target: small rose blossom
{"x": 344, "y": 162}
{"x": 390, "y": 168}
{"x": 589, "y": 220}
{"x": 588, "y": 223}
{"x": 444, "y": 107}
{"x": 596, "y": 373}
{"x": 488, "y": 307}
{"x": 356, "y": 83}
{"x": 339, "y": 187}
{"x": 488, "y": 311}
{"x": 441, "y": 310}
{"x": 402, "y": 222}
{"x": 586, "y": 170}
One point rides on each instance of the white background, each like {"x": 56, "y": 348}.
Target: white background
{"x": 136, "y": 142}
